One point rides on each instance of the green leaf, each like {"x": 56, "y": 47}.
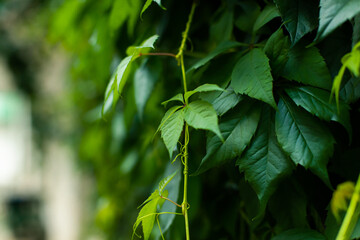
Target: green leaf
{"x": 306, "y": 65}
{"x": 238, "y": 129}
{"x": 111, "y": 96}
{"x": 147, "y": 214}
{"x": 222, "y": 47}
{"x": 145, "y": 46}
{"x": 122, "y": 73}
{"x": 264, "y": 162}
{"x": 299, "y": 234}
{"x": 221, "y": 29}
{"x": 352, "y": 60}
{"x": 201, "y": 115}
{"x": 122, "y": 11}
{"x": 172, "y": 187}
{"x": 252, "y": 76}
{"x": 306, "y": 139}
{"x": 316, "y": 101}
{"x": 332, "y": 227}
{"x": 118, "y": 81}
{"x": 119, "y": 13}
{"x": 146, "y": 5}
{"x": 333, "y": 13}
{"x": 171, "y": 127}
{"x": 351, "y": 90}
{"x": 356, "y": 33}
{"x": 226, "y": 101}
{"x": 277, "y": 49}
{"x": 267, "y": 14}
{"x": 178, "y": 97}
{"x": 165, "y": 182}
{"x": 249, "y": 12}
{"x": 145, "y": 79}
{"x": 288, "y": 205}
{"x": 203, "y": 88}
{"x": 300, "y": 17}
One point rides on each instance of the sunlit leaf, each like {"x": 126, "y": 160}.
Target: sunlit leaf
{"x": 148, "y": 3}
{"x": 171, "y": 127}
{"x": 173, "y": 187}
{"x": 203, "y": 88}
{"x": 111, "y": 96}
{"x": 178, "y": 97}
{"x": 124, "y": 11}
{"x": 145, "y": 46}
{"x": 341, "y": 197}
{"x": 122, "y": 73}
{"x": 147, "y": 214}
{"x": 201, "y": 115}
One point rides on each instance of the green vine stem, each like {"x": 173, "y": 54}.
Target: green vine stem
{"x": 352, "y": 215}
{"x": 180, "y": 58}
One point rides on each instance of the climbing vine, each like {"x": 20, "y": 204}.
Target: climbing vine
{"x": 259, "y": 134}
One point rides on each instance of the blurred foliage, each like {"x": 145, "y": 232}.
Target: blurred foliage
{"x": 128, "y": 161}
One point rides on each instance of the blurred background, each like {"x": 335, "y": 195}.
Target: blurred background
{"x": 43, "y": 194}
{"x": 66, "y": 173}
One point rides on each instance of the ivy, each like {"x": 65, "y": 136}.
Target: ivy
{"x": 260, "y": 95}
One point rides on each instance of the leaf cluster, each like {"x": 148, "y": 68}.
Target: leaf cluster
{"x": 261, "y": 74}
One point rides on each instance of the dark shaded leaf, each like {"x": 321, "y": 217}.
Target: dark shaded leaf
{"x": 252, "y": 76}
{"x": 267, "y": 14}
{"x": 264, "y": 162}
{"x": 306, "y": 65}
{"x": 316, "y": 101}
{"x": 307, "y": 141}
{"x": 288, "y": 206}
{"x": 350, "y": 92}
{"x": 226, "y": 101}
{"x": 277, "y": 49}
{"x": 300, "y": 17}
{"x": 299, "y": 234}
{"x": 222, "y": 47}
{"x": 238, "y": 129}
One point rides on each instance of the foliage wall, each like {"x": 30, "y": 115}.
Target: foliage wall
{"x": 267, "y": 144}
